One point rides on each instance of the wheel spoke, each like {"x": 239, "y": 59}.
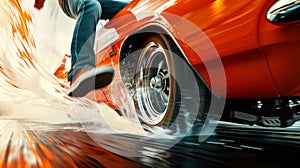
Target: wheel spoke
{"x": 166, "y": 76}
{"x": 159, "y": 67}
{"x": 159, "y": 102}
{"x": 164, "y": 96}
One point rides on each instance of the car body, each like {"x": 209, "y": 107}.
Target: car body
{"x": 236, "y": 50}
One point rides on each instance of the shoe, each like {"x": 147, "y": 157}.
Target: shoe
{"x": 91, "y": 79}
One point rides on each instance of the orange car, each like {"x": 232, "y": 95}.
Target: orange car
{"x": 238, "y": 60}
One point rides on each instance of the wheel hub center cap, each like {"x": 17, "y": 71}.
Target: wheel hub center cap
{"x": 156, "y": 83}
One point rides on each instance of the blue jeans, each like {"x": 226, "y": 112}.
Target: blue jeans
{"x": 87, "y": 13}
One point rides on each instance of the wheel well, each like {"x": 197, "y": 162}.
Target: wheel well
{"x": 130, "y": 45}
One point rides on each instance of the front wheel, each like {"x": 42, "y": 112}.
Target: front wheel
{"x": 156, "y": 90}
{"x": 167, "y": 92}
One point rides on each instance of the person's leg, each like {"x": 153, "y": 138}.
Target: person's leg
{"x": 111, "y": 7}
{"x": 87, "y": 77}
{"x": 87, "y": 13}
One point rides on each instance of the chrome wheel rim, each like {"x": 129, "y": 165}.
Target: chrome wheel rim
{"x": 153, "y": 91}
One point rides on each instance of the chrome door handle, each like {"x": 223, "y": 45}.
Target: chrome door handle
{"x": 284, "y": 12}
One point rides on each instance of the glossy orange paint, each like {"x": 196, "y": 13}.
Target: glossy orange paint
{"x": 260, "y": 60}
{"x": 281, "y": 45}
{"x": 232, "y": 29}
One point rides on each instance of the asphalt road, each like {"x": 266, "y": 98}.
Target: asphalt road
{"x": 234, "y": 146}
{"x": 229, "y": 146}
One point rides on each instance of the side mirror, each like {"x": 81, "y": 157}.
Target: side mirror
{"x": 284, "y": 12}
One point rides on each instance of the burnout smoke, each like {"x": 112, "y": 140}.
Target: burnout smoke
{"x": 31, "y": 92}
